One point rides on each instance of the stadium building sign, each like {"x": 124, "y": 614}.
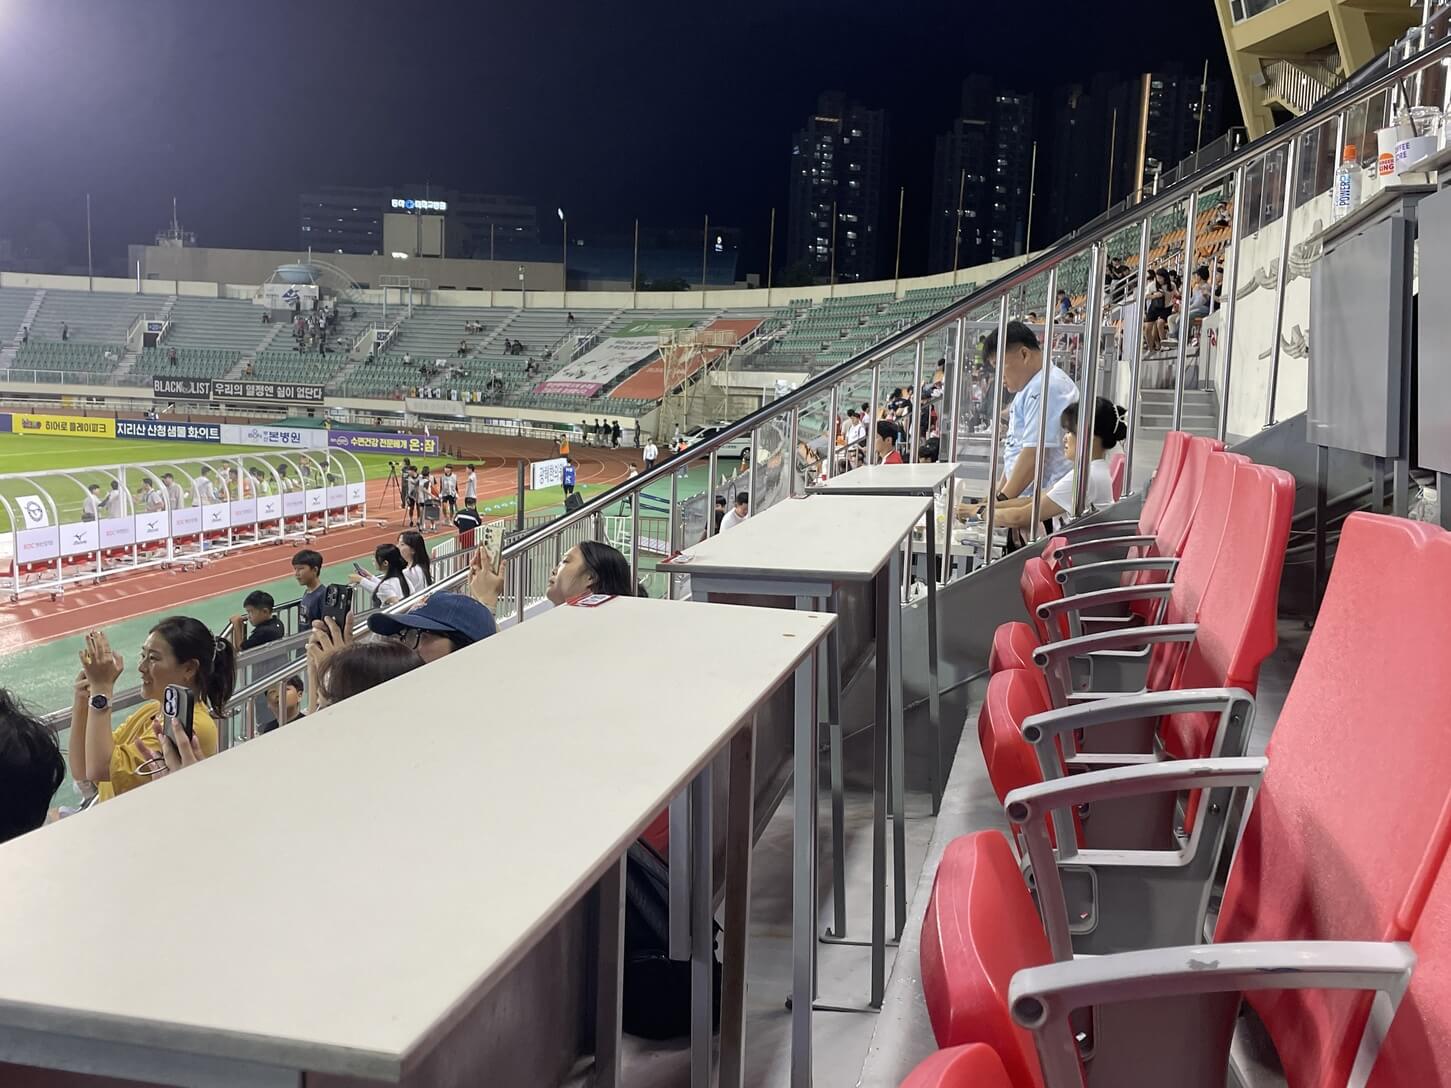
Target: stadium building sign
{"x": 168, "y": 430}
{"x": 217, "y": 389}
{"x": 412, "y": 204}
{"x": 428, "y": 445}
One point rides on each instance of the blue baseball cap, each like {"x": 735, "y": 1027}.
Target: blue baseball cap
{"x": 463, "y": 618}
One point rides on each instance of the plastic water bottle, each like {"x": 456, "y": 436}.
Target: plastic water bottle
{"x": 1347, "y": 184}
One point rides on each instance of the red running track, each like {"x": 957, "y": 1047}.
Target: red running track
{"x": 38, "y": 619}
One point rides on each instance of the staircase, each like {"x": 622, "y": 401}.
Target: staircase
{"x": 1156, "y": 412}
{"x": 10, "y": 350}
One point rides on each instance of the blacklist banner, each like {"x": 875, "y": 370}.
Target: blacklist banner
{"x": 219, "y": 389}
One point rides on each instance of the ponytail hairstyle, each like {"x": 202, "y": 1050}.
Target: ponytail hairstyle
{"x": 216, "y": 665}
{"x": 390, "y": 561}
{"x": 1110, "y": 422}
{"x": 416, "y": 544}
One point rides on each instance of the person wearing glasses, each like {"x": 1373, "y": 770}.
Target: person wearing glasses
{"x": 178, "y": 650}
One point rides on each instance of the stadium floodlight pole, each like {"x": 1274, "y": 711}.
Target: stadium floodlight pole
{"x": 1032, "y": 186}
{"x": 90, "y": 271}
{"x": 704, "y": 255}
{"x": 957, "y": 229}
{"x": 635, "y": 277}
{"x": 897, "y": 269}
{"x": 522, "y": 296}
{"x": 564, "y": 257}
{"x": 771, "y": 251}
{"x": 831, "y": 284}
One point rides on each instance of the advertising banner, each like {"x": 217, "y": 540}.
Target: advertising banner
{"x": 357, "y": 494}
{"x": 79, "y": 538}
{"x": 186, "y": 522}
{"x": 337, "y": 497}
{"x": 244, "y": 511}
{"x": 117, "y": 532}
{"x": 259, "y": 434}
{"x": 316, "y": 500}
{"x": 452, "y": 409}
{"x": 151, "y": 527}
{"x": 269, "y": 508}
{"x": 218, "y": 389}
{"x": 292, "y": 504}
{"x": 216, "y": 516}
{"x": 425, "y": 445}
{"x": 168, "y": 430}
{"x": 549, "y": 473}
{"x": 37, "y": 545}
{"x": 599, "y": 366}
{"x": 65, "y": 426}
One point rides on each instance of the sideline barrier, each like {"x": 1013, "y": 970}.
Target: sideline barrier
{"x": 249, "y": 499}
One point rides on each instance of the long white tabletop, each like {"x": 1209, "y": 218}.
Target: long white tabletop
{"x": 829, "y": 537}
{"x": 376, "y": 867}
{"x": 891, "y": 479}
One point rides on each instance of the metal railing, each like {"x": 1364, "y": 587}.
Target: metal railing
{"x": 1268, "y": 185}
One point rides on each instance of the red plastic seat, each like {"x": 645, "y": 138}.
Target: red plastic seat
{"x": 980, "y": 927}
{"x": 974, "y": 1066}
{"x": 1347, "y": 839}
{"x": 1039, "y": 584}
{"x": 1357, "y": 782}
{"x": 1117, "y": 469}
{"x": 1235, "y": 557}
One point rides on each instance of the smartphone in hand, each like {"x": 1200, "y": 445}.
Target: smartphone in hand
{"x": 178, "y": 708}
{"x": 337, "y": 602}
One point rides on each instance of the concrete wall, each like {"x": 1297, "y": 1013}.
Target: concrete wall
{"x": 239, "y": 266}
{"x": 235, "y": 273}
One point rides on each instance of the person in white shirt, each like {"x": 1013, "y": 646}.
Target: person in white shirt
{"x": 471, "y": 484}
{"x": 116, "y": 501}
{"x": 391, "y": 584}
{"x": 1110, "y": 427}
{"x": 652, "y": 452}
{"x": 175, "y": 497}
{"x": 448, "y": 491}
{"x": 150, "y": 498}
{"x": 91, "y": 506}
{"x": 206, "y": 489}
{"x": 737, "y": 513}
{"x": 856, "y": 429}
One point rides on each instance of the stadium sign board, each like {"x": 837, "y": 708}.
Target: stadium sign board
{"x": 428, "y": 445}
{"x": 218, "y": 389}
{"x": 168, "y": 430}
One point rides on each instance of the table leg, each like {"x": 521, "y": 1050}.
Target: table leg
{"x": 739, "y": 834}
{"x": 897, "y": 759}
{"x": 1443, "y": 494}
{"x": 609, "y": 989}
{"x": 679, "y": 863}
{"x": 838, "y": 789}
{"x": 702, "y": 932}
{"x": 934, "y": 693}
{"x": 803, "y": 873}
{"x": 881, "y": 730}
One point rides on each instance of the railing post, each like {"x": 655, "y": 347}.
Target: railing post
{"x": 793, "y": 439}
{"x": 635, "y": 529}
{"x": 1229, "y": 285}
{"x": 751, "y": 472}
{"x": 995, "y": 452}
{"x": 1136, "y": 355}
{"x": 831, "y": 434}
{"x": 951, "y": 389}
{"x": 1088, "y": 396}
{"x": 870, "y": 453}
{"x": 1292, "y": 159}
{"x": 914, "y": 424}
{"x": 1040, "y": 455}
{"x": 1191, "y": 210}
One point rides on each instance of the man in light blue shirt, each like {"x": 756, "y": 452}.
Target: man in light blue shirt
{"x": 1023, "y": 365}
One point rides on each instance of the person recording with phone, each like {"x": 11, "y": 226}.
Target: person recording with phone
{"x": 390, "y": 585}
{"x": 178, "y": 651}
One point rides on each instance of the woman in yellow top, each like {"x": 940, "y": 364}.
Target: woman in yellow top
{"x": 179, "y": 650}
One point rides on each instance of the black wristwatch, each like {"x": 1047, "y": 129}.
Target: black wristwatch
{"x": 1002, "y": 497}
{"x": 100, "y": 702}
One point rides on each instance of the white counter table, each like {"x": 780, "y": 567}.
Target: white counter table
{"x": 378, "y": 867}
{"x": 803, "y": 550}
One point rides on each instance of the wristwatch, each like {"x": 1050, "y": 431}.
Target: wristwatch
{"x": 100, "y": 702}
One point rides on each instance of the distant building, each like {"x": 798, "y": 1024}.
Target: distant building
{"x": 349, "y": 219}
{"x": 981, "y": 178}
{"x": 838, "y": 161}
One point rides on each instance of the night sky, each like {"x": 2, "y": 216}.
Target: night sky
{"x": 611, "y": 110}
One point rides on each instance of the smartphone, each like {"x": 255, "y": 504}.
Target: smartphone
{"x": 359, "y": 568}
{"x": 178, "y": 705}
{"x": 496, "y": 546}
{"x": 337, "y": 602}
